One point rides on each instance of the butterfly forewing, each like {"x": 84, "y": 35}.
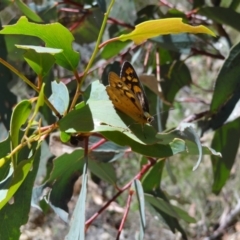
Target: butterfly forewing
{"x": 130, "y": 77}
{"x": 124, "y": 99}
{"x": 127, "y": 94}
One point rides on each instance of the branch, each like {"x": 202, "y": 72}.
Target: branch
{"x": 225, "y": 223}
{"x": 144, "y": 169}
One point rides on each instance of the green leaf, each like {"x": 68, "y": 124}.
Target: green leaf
{"x": 198, "y": 3}
{"x": 182, "y": 43}
{"x": 39, "y": 49}
{"x": 65, "y": 137}
{"x": 106, "y": 152}
{"x": 45, "y": 110}
{"x": 226, "y": 141}
{"x": 66, "y": 165}
{"x": 104, "y": 171}
{"x": 4, "y": 150}
{"x": 141, "y": 202}
{"x": 27, "y": 11}
{"x": 59, "y": 97}
{"x": 19, "y": 117}
{"x": 114, "y": 126}
{"x": 152, "y": 179}
{"x": 113, "y": 49}
{"x": 77, "y": 228}
{"x": 61, "y": 194}
{"x": 156, "y": 150}
{"x": 40, "y": 59}
{"x": 176, "y": 76}
{"x": 10, "y": 226}
{"x": 188, "y": 133}
{"x": 80, "y": 120}
{"x": 65, "y": 172}
{"x": 61, "y": 39}
{"x": 217, "y": 119}
{"x": 192, "y": 146}
{"x": 91, "y": 116}
{"x": 88, "y": 30}
{"x": 227, "y": 80}
{"x": 20, "y": 174}
{"x": 171, "y": 221}
{"x": 169, "y": 209}
{"x": 222, "y": 15}
{"x": 7, "y": 99}
{"x": 40, "y": 100}
{"x": 234, "y": 4}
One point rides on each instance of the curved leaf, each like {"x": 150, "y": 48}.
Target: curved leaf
{"x": 61, "y": 39}
{"x": 27, "y": 11}
{"x": 187, "y": 132}
{"x": 153, "y": 28}
{"x": 222, "y": 15}
{"x": 112, "y": 49}
{"x": 152, "y": 179}
{"x": 40, "y": 59}
{"x": 104, "y": 171}
{"x": 141, "y": 202}
{"x": 22, "y": 198}
{"x": 59, "y": 97}
{"x": 19, "y": 117}
{"x": 226, "y": 141}
{"x": 228, "y": 79}
{"x": 78, "y": 219}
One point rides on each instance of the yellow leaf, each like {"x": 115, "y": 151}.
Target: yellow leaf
{"x": 154, "y": 28}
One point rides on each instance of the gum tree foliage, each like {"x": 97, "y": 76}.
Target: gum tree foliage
{"x": 63, "y": 53}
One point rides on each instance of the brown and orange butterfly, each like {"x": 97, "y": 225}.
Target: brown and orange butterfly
{"x": 127, "y": 94}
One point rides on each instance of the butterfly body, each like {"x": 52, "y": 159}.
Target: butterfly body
{"x": 127, "y": 94}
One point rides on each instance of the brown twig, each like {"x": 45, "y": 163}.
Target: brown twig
{"x": 217, "y": 56}
{"x": 195, "y": 117}
{"x": 228, "y": 221}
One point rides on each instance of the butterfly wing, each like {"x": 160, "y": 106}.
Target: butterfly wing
{"x": 130, "y": 78}
{"x": 124, "y": 99}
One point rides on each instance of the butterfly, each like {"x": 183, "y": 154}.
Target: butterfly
{"x": 127, "y": 94}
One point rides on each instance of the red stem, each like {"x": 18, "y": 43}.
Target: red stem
{"x": 99, "y": 143}
{"x": 79, "y": 22}
{"x": 144, "y": 169}
{"x": 165, "y": 3}
{"x": 71, "y": 10}
{"x": 129, "y": 200}
{"x": 120, "y": 23}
